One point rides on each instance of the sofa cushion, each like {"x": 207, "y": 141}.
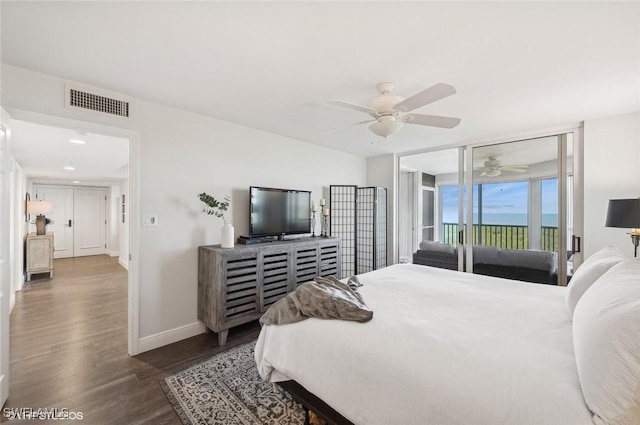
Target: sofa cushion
{"x": 485, "y": 255}
{"x": 606, "y": 335}
{"x": 592, "y": 268}
{"x": 438, "y": 247}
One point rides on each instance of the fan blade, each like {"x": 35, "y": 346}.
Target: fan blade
{"x": 431, "y": 120}
{"x": 515, "y": 168}
{"x": 353, "y": 106}
{"x": 437, "y": 92}
{"x": 345, "y": 127}
{"x": 491, "y": 172}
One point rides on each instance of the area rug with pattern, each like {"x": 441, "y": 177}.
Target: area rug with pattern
{"x": 227, "y": 390}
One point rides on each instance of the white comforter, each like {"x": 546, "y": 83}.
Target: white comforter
{"x": 443, "y": 348}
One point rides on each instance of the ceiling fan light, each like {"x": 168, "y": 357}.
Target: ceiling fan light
{"x": 492, "y": 173}
{"x": 385, "y": 128}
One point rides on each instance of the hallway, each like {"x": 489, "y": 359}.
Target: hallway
{"x": 69, "y": 348}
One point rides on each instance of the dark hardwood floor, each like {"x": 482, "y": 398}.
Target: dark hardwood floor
{"x": 69, "y": 348}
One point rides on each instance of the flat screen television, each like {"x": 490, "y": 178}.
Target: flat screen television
{"x": 279, "y": 212}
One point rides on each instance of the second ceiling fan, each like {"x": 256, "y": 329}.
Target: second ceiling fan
{"x": 493, "y": 167}
{"x": 390, "y": 112}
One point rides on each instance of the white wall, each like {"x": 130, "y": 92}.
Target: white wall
{"x": 18, "y": 228}
{"x": 182, "y": 154}
{"x": 123, "y": 234}
{"x": 611, "y": 171}
{"x": 14, "y": 231}
{"x": 382, "y": 171}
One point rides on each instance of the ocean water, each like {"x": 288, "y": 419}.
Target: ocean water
{"x": 513, "y": 219}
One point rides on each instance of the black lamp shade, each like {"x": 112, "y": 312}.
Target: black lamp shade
{"x": 624, "y": 213}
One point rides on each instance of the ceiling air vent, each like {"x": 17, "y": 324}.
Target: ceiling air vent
{"x": 86, "y": 100}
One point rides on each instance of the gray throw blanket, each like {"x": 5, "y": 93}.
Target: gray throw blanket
{"x": 325, "y": 298}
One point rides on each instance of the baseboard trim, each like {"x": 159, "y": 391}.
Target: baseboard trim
{"x": 161, "y": 339}
{"x": 123, "y": 263}
{"x": 113, "y": 253}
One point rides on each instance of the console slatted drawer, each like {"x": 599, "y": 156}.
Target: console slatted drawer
{"x": 329, "y": 260}
{"x": 242, "y": 286}
{"x": 276, "y": 277}
{"x": 306, "y": 265}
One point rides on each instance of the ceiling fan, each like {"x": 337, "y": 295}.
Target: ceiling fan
{"x": 493, "y": 167}
{"x": 389, "y": 112}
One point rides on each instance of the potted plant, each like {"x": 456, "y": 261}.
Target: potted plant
{"x": 218, "y": 208}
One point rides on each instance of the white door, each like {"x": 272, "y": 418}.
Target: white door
{"x": 89, "y": 222}
{"x": 5, "y": 284}
{"x": 62, "y": 217}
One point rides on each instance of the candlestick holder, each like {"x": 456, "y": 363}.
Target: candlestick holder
{"x": 325, "y": 226}
{"x": 313, "y": 224}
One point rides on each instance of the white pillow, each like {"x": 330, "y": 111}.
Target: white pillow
{"x": 606, "y": 337}
{"x": 592, "y": 268}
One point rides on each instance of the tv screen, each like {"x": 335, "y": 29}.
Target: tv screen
{"x": 277, "y": 212}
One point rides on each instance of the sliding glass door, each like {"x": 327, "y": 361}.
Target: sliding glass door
{"x": 521, "y": 220}
{"x": 521, "y": 201}
{"x": 431, "y": 208}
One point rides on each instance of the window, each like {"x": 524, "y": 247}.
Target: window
{"x": 500, "y": 215}
{"x": 549, "y": 214}
{"x": 449, "y": 212}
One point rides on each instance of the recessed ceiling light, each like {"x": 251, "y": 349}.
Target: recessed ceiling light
{"x": 69, "y": 166}
{"x": 76, "y": 181}
{"x": 77, "y": 141}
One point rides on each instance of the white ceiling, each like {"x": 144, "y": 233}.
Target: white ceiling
{"x": 44, "y": 151}
{"x": 517, "y": 66}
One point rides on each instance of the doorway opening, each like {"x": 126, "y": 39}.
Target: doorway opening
{"x": 84, "y": 172}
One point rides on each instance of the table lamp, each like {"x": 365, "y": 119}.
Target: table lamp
{"x": 626, "y": 213}
{"x": 40, "y": 208}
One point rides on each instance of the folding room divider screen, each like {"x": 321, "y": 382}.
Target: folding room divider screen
{"x": 358, "y": 216}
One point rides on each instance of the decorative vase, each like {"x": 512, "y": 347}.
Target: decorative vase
{"x": 227, "y": 236}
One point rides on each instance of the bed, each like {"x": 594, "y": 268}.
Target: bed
{"x": 443, "y": 348}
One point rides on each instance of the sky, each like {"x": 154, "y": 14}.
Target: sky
{"x": 502, "y": 198}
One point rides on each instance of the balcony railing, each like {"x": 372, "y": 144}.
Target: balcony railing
{"x": 502, "y": 236}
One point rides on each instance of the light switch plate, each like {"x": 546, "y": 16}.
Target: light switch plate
{"x": 149, "y": 220}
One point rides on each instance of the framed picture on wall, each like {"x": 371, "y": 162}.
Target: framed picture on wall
{"x": 27, "y": 216}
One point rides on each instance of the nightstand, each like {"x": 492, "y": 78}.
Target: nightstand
{"x": 39, "y": 252}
